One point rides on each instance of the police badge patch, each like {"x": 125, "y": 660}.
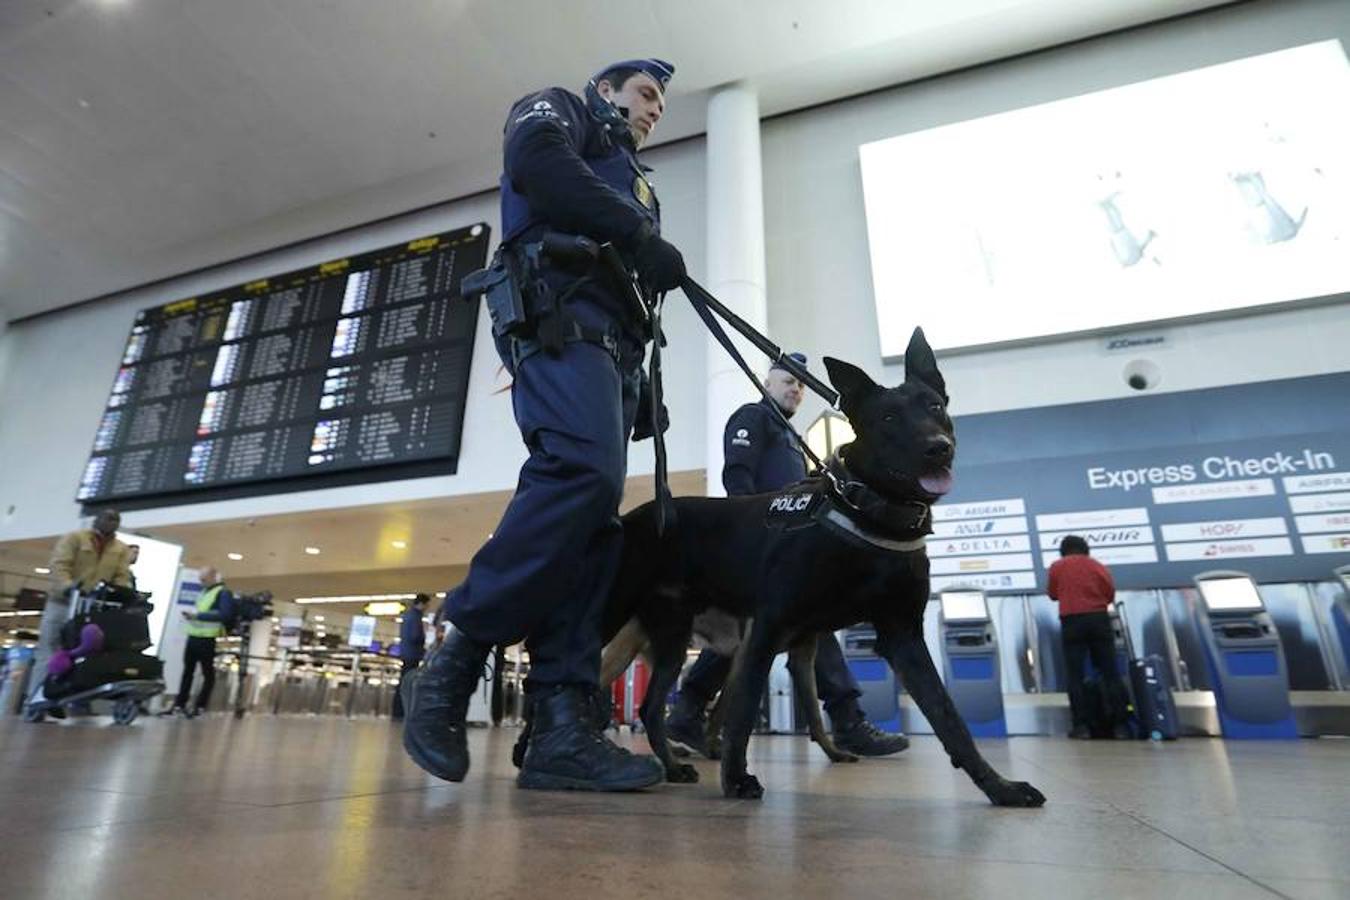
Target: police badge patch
{"x": 794, "y": 508}
{"x": 642, "y": 191}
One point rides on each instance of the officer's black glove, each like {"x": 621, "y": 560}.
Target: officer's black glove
{"x": 659, "y": 264}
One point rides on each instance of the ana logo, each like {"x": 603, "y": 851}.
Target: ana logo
{"x": 790, "y": 503}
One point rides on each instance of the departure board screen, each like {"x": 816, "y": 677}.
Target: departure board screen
{"x": 358, "y": 363}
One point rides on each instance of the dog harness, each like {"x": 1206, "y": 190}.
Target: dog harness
{"x": 842, "y": 504}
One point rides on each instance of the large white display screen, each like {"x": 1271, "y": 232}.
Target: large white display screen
{"x": 963, "y": 606}
{"x": 1230, "y": 594}
{"x": 1216, "y": 189}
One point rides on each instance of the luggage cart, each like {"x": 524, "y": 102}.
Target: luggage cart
{"x": 126, "y": 678}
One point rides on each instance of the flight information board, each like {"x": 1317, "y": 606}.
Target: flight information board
{"x": 358, "y": 363}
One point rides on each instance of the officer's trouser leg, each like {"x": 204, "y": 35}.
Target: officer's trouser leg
{"x": 835, "y": 682}
{"x": 548, "y": 567}
{"x": 705, "y": 678}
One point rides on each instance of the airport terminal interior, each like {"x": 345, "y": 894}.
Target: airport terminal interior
{"x": 323, "y": 327}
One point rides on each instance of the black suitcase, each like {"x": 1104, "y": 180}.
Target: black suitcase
{"x": 1154, "y": 706}
{"x": 104, "y": 668}
{"x": 121, "y": 630}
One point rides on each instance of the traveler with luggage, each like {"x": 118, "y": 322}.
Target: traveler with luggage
{"x": 1084, "y": 590}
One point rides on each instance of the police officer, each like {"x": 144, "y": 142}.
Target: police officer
{"x": 412, "y": 644}
{"x": 571, "y": 167}
{"x": 761, "y": 455}
{"x": 205, "y": 623}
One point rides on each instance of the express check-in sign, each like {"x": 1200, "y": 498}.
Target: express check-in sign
{"x": 1175, "y": 503}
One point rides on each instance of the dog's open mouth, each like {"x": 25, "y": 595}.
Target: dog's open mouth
{"x": 938, "y": 483}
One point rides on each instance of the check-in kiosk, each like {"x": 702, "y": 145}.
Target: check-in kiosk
{"x": 880, "y": 699}
{"x": 970, "y": 661}
{"x": 1245, "y": 658}
{"x": 1340, "y": 614}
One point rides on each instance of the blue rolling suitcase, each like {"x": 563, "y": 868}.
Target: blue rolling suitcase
{"x": 1154, "y": 707}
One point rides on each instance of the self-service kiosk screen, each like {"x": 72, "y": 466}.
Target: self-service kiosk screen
{"x": 963, "y": 606}
{"x": 1230, "y": 595}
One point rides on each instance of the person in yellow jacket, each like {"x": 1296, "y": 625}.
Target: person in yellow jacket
{"x": 80, "y": 559}
{"x": 205, "y": 622}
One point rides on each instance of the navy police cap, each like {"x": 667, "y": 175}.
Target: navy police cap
{"x": 799, "y": 357}
{"x": 659, "y": 70}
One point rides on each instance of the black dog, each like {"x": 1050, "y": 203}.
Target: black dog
{"x": 822, "y": 555}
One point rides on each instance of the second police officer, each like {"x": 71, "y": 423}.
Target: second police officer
{"x": 573, "y": 334}
{"x": 760, "y": 455}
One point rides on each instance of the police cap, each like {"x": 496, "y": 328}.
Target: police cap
{"x": 659, "y": 70}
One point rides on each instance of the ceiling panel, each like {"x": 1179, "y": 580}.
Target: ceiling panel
{"x": 145, "y": 138}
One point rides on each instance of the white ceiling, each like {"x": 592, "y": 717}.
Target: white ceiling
{"x": 141, "y": 139}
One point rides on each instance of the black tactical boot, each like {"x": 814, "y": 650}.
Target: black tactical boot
{"x": 568, "y": 752}
{"x": 436, "y": 701}
{"x": 857, "y": 735}
{"x": 686, "y": 726}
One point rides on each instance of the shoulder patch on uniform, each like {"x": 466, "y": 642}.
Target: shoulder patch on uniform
{"x": 741, "y": 438}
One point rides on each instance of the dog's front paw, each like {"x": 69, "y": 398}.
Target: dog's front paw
{"x": 843, "y": 756}
{"x": 682, "y": 773}
{"x": 746, "y": 787}
{"x": 1003, "y": 792}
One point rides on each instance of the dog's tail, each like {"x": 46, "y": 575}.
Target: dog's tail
{"x": 621, "y": 651}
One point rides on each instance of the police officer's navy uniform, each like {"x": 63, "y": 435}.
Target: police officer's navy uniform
{"x": 544, "y": 574}
{"x": 761, "y": 455}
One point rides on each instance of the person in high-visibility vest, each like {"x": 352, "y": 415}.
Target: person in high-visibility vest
{"x": 215, "y": 606}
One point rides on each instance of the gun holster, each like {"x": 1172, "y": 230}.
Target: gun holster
{"x": 499, "y": 286}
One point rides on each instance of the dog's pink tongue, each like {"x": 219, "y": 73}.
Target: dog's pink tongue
{"x": 937, "y": 485}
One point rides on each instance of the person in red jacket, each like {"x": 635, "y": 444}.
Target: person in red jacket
{"x": 1084, "y": 590}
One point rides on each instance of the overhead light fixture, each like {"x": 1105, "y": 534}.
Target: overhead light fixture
{"x": 318, "y": 618}
{"x": 42, "y": 570}
{"x": 235, "y": 556}
{"x": 399, "y": 545}
{"x": 384, "y": 608}
{"x": 354, "y": 598}
{"x": 313, "y": 551}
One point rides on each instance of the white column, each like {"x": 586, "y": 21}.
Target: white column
{"x": 735, "y": 253}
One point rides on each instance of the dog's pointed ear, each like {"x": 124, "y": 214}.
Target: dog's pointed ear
{"x": 852, "y": 383}
{"x": 921, "y": 364}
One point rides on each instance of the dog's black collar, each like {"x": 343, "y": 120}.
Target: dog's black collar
{"x": 908, "y": 520}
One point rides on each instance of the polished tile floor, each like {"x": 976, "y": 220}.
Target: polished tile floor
{"x": 304, "y": 807}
